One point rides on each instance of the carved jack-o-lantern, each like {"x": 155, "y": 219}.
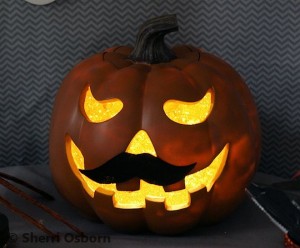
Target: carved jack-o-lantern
{"x": 154, "y": 138}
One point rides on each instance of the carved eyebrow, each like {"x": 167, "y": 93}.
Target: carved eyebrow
{"x": 97, "y": 111}
{"x": 190, "y": 113}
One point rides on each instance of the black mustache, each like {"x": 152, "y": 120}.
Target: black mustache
{"x": 126, "y": 166}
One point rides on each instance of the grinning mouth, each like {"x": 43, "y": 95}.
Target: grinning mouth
{"x": 174, "y": 200}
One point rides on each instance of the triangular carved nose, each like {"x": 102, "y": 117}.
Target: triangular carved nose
{"x": 141, "y": 143}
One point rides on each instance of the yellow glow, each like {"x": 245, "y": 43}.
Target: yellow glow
{"x": 129, "y": 199}
{"x": 137, "y": 199}
{"x": 141, "y": 143}
{"x": 77, "y": 156}
{"x": 154, "y": 193}
{"x": 190, "y": 113}
{"x": 175, "y": 200}
{"x": 207, "y": 176}
{"x": 100, "y": 111}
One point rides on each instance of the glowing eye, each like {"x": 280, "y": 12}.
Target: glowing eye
{"x": 99, "y": 111}
{"x": 190, "y": 113}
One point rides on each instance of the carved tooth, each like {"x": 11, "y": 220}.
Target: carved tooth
{"x": 207, "y": 177}
{"x": 177, "y": 200}
{"x": 153, "y": 192}
{"x": 89, "y": 185}
{"x": 216, "y": 167}
{"x": 107, "y": 189}
{"x": 129, "y": 199}
{"x": 193, "y": 182}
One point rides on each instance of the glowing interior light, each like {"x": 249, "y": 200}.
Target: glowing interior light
{"x": 129, "y": 199}
{"x": 207, "y": 176}
{"x": 141, "y": 143}
{"x": 99, "y": 111}
{"x": 77, "y": 155}
{"x": 174, "y": 200}
{"x": 177, "y": 200}
{"x": 190, "y": 113}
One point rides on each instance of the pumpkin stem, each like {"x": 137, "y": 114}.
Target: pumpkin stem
{"x": 150, "y": 46}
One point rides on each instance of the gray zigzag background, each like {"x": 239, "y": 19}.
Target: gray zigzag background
{"x": 40, "y": 44}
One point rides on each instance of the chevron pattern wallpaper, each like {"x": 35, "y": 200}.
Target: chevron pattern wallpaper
{"x": 40, "y": 44}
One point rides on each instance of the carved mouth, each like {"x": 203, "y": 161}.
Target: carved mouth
{"x": 173, "y": 200}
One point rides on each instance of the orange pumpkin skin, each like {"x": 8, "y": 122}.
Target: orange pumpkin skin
{"x": 143, "y": 89}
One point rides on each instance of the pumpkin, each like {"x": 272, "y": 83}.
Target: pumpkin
{"x": 154, "y": 138}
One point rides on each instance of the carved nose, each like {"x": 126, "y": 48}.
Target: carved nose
{"x": 141, "y": 143}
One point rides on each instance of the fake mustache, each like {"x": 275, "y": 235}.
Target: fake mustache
{"x": 126, "y": 166}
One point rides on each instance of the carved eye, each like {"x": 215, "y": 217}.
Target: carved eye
{"x": 97, "y": 111}
{"x": 190, "y": 113}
